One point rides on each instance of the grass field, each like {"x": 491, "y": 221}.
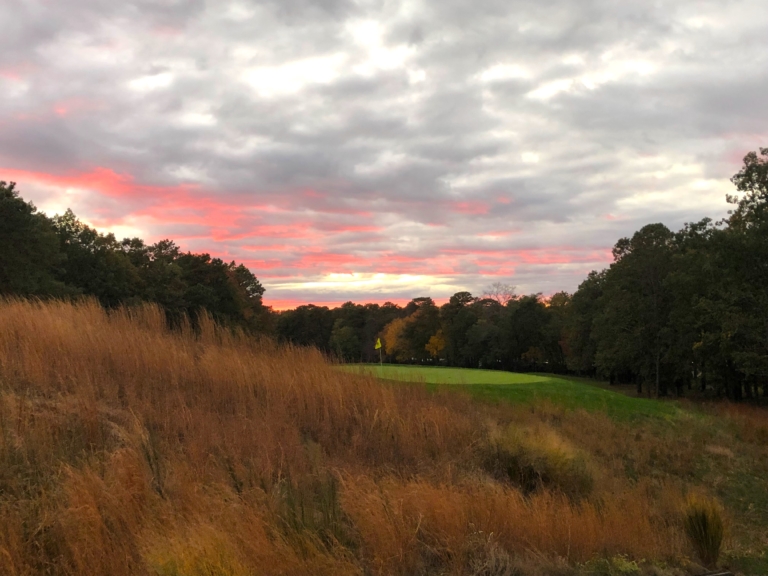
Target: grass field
{"x": 728, "y": 447}
{"x": 132, "y": 450}
{"x": 496, "y": 385}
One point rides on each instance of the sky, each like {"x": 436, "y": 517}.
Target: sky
{"x": 383, "y": 150}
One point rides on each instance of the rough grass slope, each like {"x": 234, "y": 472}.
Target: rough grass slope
{"x": 126, "y": 448}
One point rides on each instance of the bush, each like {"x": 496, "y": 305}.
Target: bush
{"x": 539, "y": 460}
{"x": 704, "y": 527}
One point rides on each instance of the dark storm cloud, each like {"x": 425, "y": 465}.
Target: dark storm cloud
{"x": 450, "y": 140}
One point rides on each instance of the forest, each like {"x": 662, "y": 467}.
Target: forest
{"x": 675, "y": 311}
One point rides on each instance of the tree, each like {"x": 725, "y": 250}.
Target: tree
{"x": 580, "y": 344}
{"x": 631, "y": 328}
{"x": 484, "y": 346}
{"x": 64, "y": 256}
{"x": 95, "y": 263}
{"x": 436, "y": 344}
{"x": 502, "y": 293}
{"x": 395, "y": 344}
{"x": 375, "y": 319}
{"x": 344, "y": 341}
{"x": 456, "y": 318}
{"x": 30, "y": 258}
{"x": 525, "y": 325}
{"x": 554, "y": 332}
{"x": 307, "y": 325}
{"x": 752, "y": 180}
{"x": 421, "y": 325}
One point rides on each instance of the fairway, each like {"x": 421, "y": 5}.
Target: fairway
{"x": 497, "y": 385}
{"x": 442, "y": 375}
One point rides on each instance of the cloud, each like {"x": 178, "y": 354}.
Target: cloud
{"x": 453, "y": 143}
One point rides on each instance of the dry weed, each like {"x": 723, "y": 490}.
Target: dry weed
{"x": 126, "y": 448}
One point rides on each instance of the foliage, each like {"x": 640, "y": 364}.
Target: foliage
{"x": 436, "y": 344}
{"x": 62, "y": 256}
{"x": 30, "y": 259}
{"x": 703, "y": 524}
{"x": 682, "y": 310}
{"x": 535, "y": 459}
{"x": 344, "y": 340}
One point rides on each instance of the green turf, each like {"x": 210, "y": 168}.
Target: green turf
{"x": 495, "y": 385}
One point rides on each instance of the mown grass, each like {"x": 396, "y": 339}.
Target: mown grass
{"x": 496, "y": 386}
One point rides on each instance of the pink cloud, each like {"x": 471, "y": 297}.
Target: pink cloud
{"x": 17, "y": 72}
{"x": 278, "y": 237}
{"x": 329, "y": 262}
{"x": 75, "y": 105}
{"x": 342, "y": 228}
{"x": 105, "y": 181}
{"x": 290, "y": 303}
{"x": 470, "y": 208}
{"x": 265, "y": 247}
{"x": 550, "y": 255}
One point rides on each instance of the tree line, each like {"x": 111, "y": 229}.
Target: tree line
{"x": 62, "y": 257}
{"x": 675, "y": 310}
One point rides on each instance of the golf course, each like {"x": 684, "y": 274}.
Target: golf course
{"x": 498, "y": 385}
{"x": 719, "y": 446}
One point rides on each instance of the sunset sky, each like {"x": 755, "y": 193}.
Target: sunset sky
{"x": 383, "y": 150}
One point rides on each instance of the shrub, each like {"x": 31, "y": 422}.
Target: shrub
{"x": 538, "y": 460}
{"x": 704, "y": 527}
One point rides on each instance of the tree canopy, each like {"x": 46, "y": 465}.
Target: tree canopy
{"x": 64, "y": 257}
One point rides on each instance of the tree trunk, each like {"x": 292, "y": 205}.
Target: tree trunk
{"x": 658, "y": 360}
{"x": 692, "y": 378}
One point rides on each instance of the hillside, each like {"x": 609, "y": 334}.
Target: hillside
{"x": 130, "y": 449}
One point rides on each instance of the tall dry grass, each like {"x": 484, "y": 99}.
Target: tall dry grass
{"x": 126, "y": 448}
{"x": 705, "y": 528}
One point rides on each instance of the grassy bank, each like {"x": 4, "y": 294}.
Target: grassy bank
{"x": 129, "y": 449}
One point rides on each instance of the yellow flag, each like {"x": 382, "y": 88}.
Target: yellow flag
{"x": 378, "y": 344}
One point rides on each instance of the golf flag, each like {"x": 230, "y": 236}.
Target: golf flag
{"x": 378, "y": 344}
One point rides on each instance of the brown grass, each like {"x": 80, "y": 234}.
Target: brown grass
{"x": 129, "y": 449}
